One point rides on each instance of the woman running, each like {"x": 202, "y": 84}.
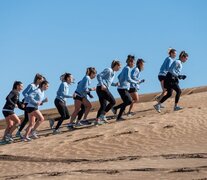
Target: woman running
{"x": 30, "y": 88}
{"x": 164, "y": 70}
{"x": 123, "y": 88}
{"x": 105, "y": 80}
{"x": 36, "y": 98}
{"x": 60, "y": 101}
{"x": 12, "y": 102}
{"x": 134, "y": 87}
{"x": 172, "y": 82}
{"x": 81, "y": 96}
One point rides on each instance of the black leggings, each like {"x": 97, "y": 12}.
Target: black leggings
{"x": 127, "y": 100}
{"x": 63, "y": 111}
{"x": 26, "y": 119}
{"x": 171, "y": 83}
{"x": 104, "y": 96}
{"x": 81, "y": 112}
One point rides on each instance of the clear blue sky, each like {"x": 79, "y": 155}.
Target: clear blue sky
{"x": 56, "y": 36}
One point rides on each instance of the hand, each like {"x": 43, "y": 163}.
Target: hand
{"x": 93, "y": 89}
{"x": 182, "y": 77}
{"x": 16, "y": 106}
{"x": 143, "y": 80}
{"x": 117, "y": 84}
{"x": 39, "y": 103}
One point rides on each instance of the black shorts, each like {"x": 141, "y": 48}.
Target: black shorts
{"x": 161, "y": 78}
{"x": 132, "y": 90}
{"x": 77, "y": 97}
{"x": 30, "y": 109}
{"x": 7, "y": 113}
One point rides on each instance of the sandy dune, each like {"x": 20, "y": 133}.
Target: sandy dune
{"x": 149, "y": 145}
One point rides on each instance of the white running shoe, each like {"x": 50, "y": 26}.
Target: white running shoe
{"x": 177, "y": 108}
{"x": 34, "y": 134}
{"x": 103, "y": 118}
{"x": 56, "y": 131}
{"x": 9, "y": 138}
{"x": 99, "y": 122}
{"x": 162, "y": 106}
{"x": 157, "y": 108}
{"x": 26, "y": 139}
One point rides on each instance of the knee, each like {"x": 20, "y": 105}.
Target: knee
{"x": 41, "y": 119}
{"x": 18, "y": 123}
{"x": 135, "y": 100}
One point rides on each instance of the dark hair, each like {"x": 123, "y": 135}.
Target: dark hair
{"x": 139, "y": 63}
{"x": 64, "y": 76}
{"x": 114, "y": 63}
{"x": 130, "y": 58}
{"x": 45, "y": 82}
{"x": 16, "y": 83}
{"x": 90, "y": 70}
{"x": 183, "y": 54}
{"x": 171, "y": 50}
{"x": 38, "y": 77}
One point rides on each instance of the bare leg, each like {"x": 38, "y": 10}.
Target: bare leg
{"x": 88, "y": 106}
{"x": 8, "y": 127}
{"x": 163, "y": 91}
{"x": 16, "y": 121}
{"x": 31, "y": 124}
{"x": 135, "y": 99}
{"x": 76, "y": 110}
{"x": 40, "y": 118}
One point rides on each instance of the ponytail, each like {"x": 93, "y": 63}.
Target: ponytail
{"x": 38, "y": 77}
{"x": 130, "y": 58}
{"x": 64, "y": 76}
{"x": 183, "y": 54}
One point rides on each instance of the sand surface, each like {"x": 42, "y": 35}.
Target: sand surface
{"x": 149, "y": 145}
